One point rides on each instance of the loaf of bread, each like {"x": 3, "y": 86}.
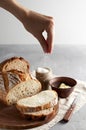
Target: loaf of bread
{"x": 23, "y": 89}
{"x": 43, "y": 100}
{"x": 17, "y": 87}
{"x": 13, "y": 71}
{"x": 15, "y": 63}
{"x": 13, "y": 77}
{"x": 9, "y": 80}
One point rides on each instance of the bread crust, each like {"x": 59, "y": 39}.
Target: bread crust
{"x": 3, "y": 96}
{"x": 5, "y": 63}
{"x": 42, "y": 115}
{"x": 6, "y": 81}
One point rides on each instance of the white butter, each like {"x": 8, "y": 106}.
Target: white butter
{"x": 64, "y": 86}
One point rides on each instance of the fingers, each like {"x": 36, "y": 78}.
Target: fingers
{"x": 36, "y": 23}
{"x": 43, "y": 43}
{"x": 47, "y": 44}
{"x": 50, "y": 37}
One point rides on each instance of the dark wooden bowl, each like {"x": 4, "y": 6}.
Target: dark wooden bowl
{"x": 63, "y": 92}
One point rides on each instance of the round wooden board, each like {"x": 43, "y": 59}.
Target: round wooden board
{"x": 10, "y": 118}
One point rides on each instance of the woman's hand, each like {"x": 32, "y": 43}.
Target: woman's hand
{"x": 33, "y": 22}
{"x": 36, "y": 24}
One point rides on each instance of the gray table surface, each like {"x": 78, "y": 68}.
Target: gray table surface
{"x": 66, "y": 60}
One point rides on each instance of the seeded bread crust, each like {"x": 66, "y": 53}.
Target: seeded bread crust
{"x": 15, "y": 63}
{"x": 23, "y": 89}
{"x": 38, "y": 102}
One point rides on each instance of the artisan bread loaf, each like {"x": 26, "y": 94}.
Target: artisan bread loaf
{"x": 14, "y": 70}
{"x": 13, "y": 77}
{"x": 23, "y": 89}
{"x": 15, "y": 63}
{"x": 43, "y": 100}
{"x": 9, "y": 80}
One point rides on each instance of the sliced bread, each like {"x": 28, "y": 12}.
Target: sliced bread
{"x": 41, "y": 114}
{"x": 15, "y": 63}
{"x": 43, "y": 100}
{"x": 23, "y": 89}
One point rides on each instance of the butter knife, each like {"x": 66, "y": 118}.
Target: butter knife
{"x": 70, "y": 111}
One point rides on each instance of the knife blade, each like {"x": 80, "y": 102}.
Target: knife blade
{"x": 70, "y": 111}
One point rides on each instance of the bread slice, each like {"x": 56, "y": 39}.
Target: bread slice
{"x": 43, "y": 100}
{"x": 23, "y": 89}
{"x": 15, "y": 63}
{"x": 43, "y": 114}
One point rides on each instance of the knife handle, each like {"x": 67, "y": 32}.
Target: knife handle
{"x": 69, "y": 113}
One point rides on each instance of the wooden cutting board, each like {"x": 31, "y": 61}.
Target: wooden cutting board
{"x": 11, "y": 118}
